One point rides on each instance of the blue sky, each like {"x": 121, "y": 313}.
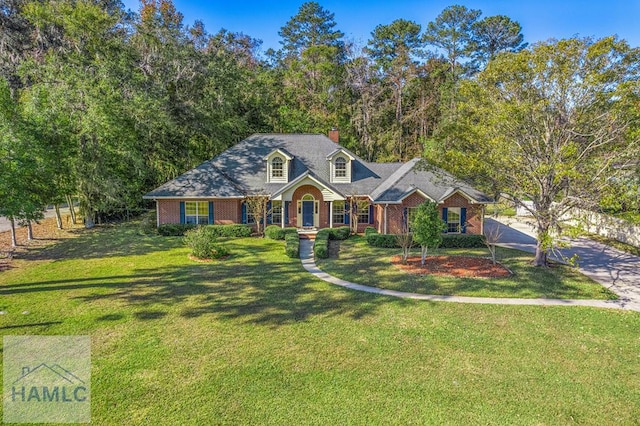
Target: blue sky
{"x": 540, "y": 19}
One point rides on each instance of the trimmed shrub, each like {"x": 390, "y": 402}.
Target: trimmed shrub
{"x": 382, "y": 240}
{"x": 370, "y": 230}
{"x": 462, "y": 241}
{"x": 174, "y": 229}
{"x": 275, "y": 232}
{"x": 203, "y": 244}
{"x": 292, "y": 244}
{"x": 340, "y": 233}
{"x": 230, "y": 231}
{"x": 448, "y": 241}
{"x": 219, "y": 231}
{"x": 321, "y": 244}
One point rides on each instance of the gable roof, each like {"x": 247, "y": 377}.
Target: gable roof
{"x": 242, "y": 170}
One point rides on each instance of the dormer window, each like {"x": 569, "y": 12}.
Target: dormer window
{"x": 277, "y": 167}
{"x": 340, "y": 165}
{"x": 341, "y": 168}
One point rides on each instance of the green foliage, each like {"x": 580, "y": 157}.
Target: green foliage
{"x": 217, "y": 231}
{"x": 203, "y": 243}
{"x": 230, "y": 231}
{"x": 382, "y": 240}
{"x": 275, "y": 232}
{"x": 292, "y": 244}
{"x": 321, "y": 244}
{"x": 370, "y": 230}
{"x": 174, "y": 229}
{"x": 514, "y": 121}
{"x": 426, "y": 225}
{"x": 339, "y": 233}
{"x": 462, "y": 241}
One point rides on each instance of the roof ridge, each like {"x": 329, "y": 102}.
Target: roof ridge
{"x": 395, "y": 177}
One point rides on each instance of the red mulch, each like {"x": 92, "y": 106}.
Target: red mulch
{"x": 453, "y": 266}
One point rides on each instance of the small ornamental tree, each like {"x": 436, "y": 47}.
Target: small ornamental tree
{"x": 427, "y": 227}
{"x": 257, "y": 207}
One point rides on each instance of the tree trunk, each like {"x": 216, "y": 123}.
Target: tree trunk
{"x": 424, "y": 254}
{"x": 541, "y": 256}
{"x": 71, "y": 209}
{"x": 29, "y": 231}
{"x": 14, "y": 240}
{"x": 58, "y": 217}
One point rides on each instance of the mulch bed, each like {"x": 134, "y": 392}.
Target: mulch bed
{"x": 453, "y": 266}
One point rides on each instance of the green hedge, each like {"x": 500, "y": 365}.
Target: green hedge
{"x": 340, "y": 233}
{"x": 275, "y": 232}
{"x": 220, "y": 231}
{"x": 382, "y": 240}
{"x": 370, "y": 230}
{"x": 292, "y": 244}
{"x": 321, "y": 245}
{"x": 174, "y": 229}
{"x": 448, "y": 240}
{"x": 462, "y": 241}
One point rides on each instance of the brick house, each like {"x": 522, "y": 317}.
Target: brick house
{"x": 313, "y": 182}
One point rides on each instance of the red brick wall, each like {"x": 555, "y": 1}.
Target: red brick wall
{"x": 168, "y": 211}
{"x": 474, "y": 212}
{"x": 395, "y": 213}
{"x": 224, "y": 211}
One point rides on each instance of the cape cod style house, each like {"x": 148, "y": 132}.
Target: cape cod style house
{"x": 312, "y": 182}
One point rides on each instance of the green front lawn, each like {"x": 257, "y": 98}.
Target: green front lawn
{"x": 254, "y": 339}
{"x": 362, "y": 264}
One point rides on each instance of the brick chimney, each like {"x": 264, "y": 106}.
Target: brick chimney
{"x": 334, "y": 135}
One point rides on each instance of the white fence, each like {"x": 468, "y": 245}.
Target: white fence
{"x": 609, "y": 227}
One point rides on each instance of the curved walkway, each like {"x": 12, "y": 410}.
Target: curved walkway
{"x": 308, "y": 262}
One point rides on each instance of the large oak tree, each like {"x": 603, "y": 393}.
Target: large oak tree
{"x": 553, "y": 124}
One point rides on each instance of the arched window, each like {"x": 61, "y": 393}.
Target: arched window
{"x": 277, "y": 169}
{"x": 340, "y": 167}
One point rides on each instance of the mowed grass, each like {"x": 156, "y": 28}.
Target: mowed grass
{"x": 254, "y": 339}
{"x": 360, "y": 263}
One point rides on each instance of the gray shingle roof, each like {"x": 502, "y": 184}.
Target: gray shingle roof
{"x": 241, "y": 170}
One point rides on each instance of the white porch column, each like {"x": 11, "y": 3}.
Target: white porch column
{"x": 385, "y": 219}
{"x": 330, "y": 214}
{"x": 282, "y": 214}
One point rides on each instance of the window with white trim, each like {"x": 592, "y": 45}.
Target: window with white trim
{"x": 363, "y": 214}
{"x": 453, "y": 220}
{"x": 340, "y": 168}
{"x": 277, "y": 168}
{"x": 276, "y": 212}
{"x": 196, "y": 212}
{"x": 338, "y": 212}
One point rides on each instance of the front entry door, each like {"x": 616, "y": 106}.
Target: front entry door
{"x": 307, "y": 213}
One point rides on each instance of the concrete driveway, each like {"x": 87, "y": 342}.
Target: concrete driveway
{"x": 615, "y": 269}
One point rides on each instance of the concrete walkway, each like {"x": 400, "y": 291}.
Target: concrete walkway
{"x": 308, "y": 262}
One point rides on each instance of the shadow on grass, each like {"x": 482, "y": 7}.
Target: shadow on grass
{"x": 38, "y": 324}
{"x": 362, "y": 264}
{"x": 103, "y": 241}
{"x": 264, "y": 288}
